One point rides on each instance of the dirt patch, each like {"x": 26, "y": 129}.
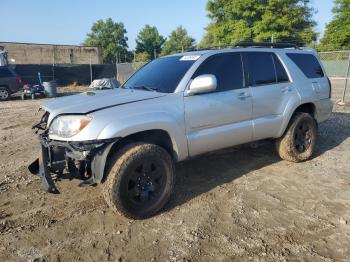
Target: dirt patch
{"x": 241, "y": 203}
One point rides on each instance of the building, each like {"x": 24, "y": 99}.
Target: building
{"x": 29, "y": 53}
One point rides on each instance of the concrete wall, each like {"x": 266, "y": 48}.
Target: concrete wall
{"x": 26, "y": 53}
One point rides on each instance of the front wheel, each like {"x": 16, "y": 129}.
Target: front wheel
{"x": 298, "y": 142}
{"x": 140, "y": 180}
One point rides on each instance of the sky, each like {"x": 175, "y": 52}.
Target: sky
{"x": 68, "y": 21}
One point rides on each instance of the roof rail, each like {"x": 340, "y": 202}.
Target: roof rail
{"x": 265, "y": 44}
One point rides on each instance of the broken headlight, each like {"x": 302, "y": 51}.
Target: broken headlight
{"x": 68, "y": 125}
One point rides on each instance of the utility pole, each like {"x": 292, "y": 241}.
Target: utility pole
{"x": 155, "y": 53}
{"x": 272, "y": 38}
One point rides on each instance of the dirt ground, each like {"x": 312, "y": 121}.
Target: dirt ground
{"x": 238, "y": 204}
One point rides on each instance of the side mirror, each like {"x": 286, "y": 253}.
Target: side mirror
{"x": 202, "y": 84}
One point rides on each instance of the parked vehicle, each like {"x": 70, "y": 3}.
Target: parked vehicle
{"x": 180, "y": 106}
{"x": 10, "y": 82}
{"x": 33, "y": 90}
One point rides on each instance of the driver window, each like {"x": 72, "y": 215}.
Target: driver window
{"x": 227, "y": 67}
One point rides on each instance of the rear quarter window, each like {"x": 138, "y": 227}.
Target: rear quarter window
{"x": 308, "y": 64}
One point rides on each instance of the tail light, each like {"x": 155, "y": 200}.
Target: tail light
{"x": 18, "y": 79}
{"x": 330, "y": 87}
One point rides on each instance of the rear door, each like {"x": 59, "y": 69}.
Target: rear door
{"x": 271, "y": 92}
{"x": 312, "y": 70}
{"x": 222, "y": 118}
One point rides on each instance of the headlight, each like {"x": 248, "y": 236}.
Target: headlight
{"x": 68, "y": 126}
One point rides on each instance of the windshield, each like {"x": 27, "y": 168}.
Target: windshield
{"x": 161, "y": 75}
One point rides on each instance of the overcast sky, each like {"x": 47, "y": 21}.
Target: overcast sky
{"x": 68, "y": 21}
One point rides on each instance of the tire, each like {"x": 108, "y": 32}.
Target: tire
{"x": 4, "y": 94}
{"x": 140, "y": 180}
{"x": 298, "y": 142}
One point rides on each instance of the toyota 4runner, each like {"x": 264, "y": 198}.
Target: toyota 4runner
{"x": 177, "y": 107}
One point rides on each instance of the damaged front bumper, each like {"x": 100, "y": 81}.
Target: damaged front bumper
{"x": 84, "y": 160}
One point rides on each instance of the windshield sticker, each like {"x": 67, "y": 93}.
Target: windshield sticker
{"x": 190, "y": 58}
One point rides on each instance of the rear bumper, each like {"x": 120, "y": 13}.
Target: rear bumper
{"x": 14, "y": 88}
{"x": 80, "y": 160}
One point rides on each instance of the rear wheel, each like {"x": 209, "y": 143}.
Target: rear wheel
{"x": 298, "y": 142}
{"x": 140, "y": 180}
{"x": 4, "y": 93}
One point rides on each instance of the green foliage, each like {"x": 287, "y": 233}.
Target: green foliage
{"x": 149, "y": 40}
{"x": 178, "y": 41}
{"x": 337, "y": 34}
{"x": 111, "y": 37}
{"x": 142, "y": 57}
{"x": 259, "y": 20}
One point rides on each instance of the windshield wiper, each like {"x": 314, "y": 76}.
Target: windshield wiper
{"x": 146, "y": 88}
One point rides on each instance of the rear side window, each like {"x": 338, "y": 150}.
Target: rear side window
{"x": 227, "y": 68}
{"x": 281, "y": 73}
{"x": 260, "y": 68}
{"x": 308, "y": 64}
{"x": 5, "y": 72}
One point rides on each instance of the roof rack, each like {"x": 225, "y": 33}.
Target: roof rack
{"x": 265, "y": 44}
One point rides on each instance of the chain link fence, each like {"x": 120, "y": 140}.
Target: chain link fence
{"x": 125, "y": 70}
{"x": 336, "y": 64}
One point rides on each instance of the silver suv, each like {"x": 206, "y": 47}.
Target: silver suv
{"x": 177, "y": 107}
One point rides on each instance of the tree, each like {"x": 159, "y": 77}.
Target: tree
{"x": 142, "y": 57}
{"x": 337, "y": 34}
{"x": 259, "y": 20}
{"x": 111, "y": 37}
{"x": 178, "y": 41}
{"x": 149, "y": 40}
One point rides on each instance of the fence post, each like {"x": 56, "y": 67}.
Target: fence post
{"x": 116, "y": 66}
{"x": 53, "y": 62}
{"x": 90, "y": 69}
{"x": 342, "y": 102}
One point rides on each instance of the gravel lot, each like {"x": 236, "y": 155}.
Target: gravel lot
{"x": 242, "y": 203}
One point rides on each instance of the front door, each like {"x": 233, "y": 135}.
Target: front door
{"x": 222, "y": 118}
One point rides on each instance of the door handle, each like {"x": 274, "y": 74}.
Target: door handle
{"x": 244, "y": 95}
{"x": 286, "y": 89}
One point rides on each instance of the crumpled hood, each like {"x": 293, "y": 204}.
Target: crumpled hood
{"x": 91, "y": 101}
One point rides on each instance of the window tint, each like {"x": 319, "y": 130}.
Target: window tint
{"x": 281, "y": 73}
{"x": 5, "y": 72}
{"x": 227, "y": 68}
{"x": 162, "y": 74}
{"x": 260, "y": 67}
{"x": 308, "y": 64}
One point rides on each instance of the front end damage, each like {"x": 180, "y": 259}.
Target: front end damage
{"x": 83, "y": 160}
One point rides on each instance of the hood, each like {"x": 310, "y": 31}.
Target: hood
{"x": 92, "y": 101}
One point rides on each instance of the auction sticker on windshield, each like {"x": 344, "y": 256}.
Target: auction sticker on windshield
{"x": 190, "y": 58}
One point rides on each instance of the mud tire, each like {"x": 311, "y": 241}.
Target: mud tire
{"x": 121, "y": 171}
{"x": 287, "y": 145}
